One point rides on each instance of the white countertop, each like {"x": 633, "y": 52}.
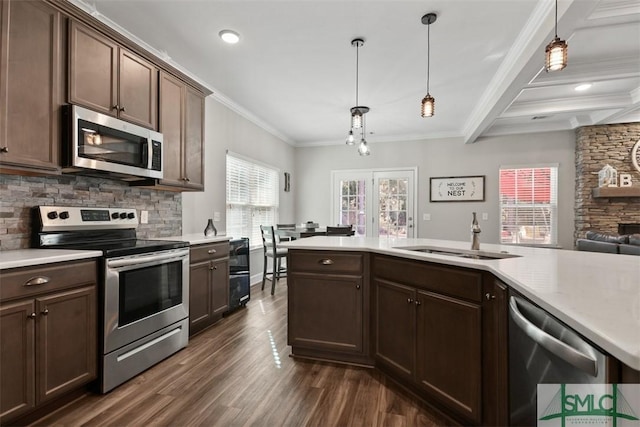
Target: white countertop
{"x": 31, "y": 257}
{"x": 596, "y": 294}
{"x": 196, "y": 238}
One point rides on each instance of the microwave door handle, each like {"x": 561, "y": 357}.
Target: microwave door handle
{"x": 555, "y": 346}
{"x": 144, "y": 152}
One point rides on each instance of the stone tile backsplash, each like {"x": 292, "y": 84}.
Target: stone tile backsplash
{"x": 18, "y": 194}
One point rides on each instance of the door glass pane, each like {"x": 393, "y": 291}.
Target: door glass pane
{"x": 352, "y": 209}
{"x": 392, "y": 207}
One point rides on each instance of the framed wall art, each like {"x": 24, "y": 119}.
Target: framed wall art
{"x": 457, "y": 189}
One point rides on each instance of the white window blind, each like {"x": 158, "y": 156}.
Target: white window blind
{"x": 529, "y": 205}
{"x": 252, "y": 198}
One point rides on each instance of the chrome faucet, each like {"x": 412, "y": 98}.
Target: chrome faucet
{"x": 475, "y": 234}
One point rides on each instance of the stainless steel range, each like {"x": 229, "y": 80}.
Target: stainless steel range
{"x": 144, "y": 285}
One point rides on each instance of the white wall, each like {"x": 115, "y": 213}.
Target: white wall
{"x": 227, "y": 130}
{"x": 437, "y": 158}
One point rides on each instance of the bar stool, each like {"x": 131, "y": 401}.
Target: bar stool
{"x": 271, "y": 250}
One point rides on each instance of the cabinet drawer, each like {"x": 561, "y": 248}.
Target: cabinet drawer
{"x": 29, "y": 281}
{"x": 451, "y": 281}
{"x": 325, "y": 262}
{"x": 209, "y": 251}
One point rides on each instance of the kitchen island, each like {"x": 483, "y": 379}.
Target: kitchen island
{"x": 436, "y": 321}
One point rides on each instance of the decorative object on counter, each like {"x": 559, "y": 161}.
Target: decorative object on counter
{"x": 428, "y": 102}
{"x": 475, "y": 233}
{"x": 556, "y": 51}
{"x": 457, "y": 189}
{"x": 358, "y": 112}
{"x": 625, "y": 180}
{"x": 210, "y": 230}
{"x": 608, "y": 177}
{"x": 310, "y": 225}
{"x": 287, "y": 182}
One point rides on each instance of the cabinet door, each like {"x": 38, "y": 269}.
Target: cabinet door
{"x": 30, "y": 86}
{"x": 93, "y": 61}
{"x": 219, "y": 287}
{"x": 137, "y": 90}
{"x": 172, "y": 94}
{"x": 449, "y": 356}
{"x": 199, "y": 297}
{"x": 17, "y": 364}
{"x": 194, "y": 140}
{"x": 395, "y": 320}
{"x": 325, "y": 312}
{"x": 66, "y": 341}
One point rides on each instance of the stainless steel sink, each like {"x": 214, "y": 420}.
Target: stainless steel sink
{"x": 460, "y": 253}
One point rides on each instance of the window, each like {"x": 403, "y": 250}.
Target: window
{"x": 252, "y": 198}
{"x": 529, "y": 205}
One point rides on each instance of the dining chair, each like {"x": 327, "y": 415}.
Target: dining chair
{"x": 340, "y": 230}
{"x": 271, "y": 250}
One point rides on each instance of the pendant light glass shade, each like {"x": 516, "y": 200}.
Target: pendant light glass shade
{"x": 351, "y": 140}
{"x": 556, "y": 55}
{"x": 428, "y": 106}
{"x": 356, "y": 120}
{"x": 556, "y": 51}
{"x": 363, "y": 148}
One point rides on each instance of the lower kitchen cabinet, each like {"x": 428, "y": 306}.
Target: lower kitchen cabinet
{"x": 328, "y": 305}
{"x": 48, "y": 334}
{"x": 208, "y": 285}
{"x": 438, "y": 334}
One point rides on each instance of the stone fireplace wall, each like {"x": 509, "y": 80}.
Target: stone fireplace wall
{"x": 597, "y": 146}
{"x": 20, "y": 193}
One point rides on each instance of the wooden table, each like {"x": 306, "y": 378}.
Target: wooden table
{"x": 301, "y": 232}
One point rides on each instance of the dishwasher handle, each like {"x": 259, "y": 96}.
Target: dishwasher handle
{"x": 564, "y": 351}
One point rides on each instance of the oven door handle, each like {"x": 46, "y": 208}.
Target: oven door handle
{"x": 145, "y": 259}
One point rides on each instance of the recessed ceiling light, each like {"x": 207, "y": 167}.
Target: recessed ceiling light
{"x": 582, "y": 87}
{"x": 229, "y": 36}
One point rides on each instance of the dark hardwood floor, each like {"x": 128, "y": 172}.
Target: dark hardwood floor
{"x": 239, "y": 373}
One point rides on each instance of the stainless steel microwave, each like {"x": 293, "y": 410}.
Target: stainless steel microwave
{"x": 100, "y": 145}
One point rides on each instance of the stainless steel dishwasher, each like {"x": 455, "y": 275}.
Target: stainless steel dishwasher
{"x": 543, "y": 350}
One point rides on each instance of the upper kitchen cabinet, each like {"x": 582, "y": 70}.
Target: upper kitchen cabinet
{"x": 110, "y": 79}
{"x": 31, "y": 87}
{"x": 182, "y": 127}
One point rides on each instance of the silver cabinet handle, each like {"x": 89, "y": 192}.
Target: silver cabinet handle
{"x": 40, "y": 280}
{"x": 409, "y": 300}
{"x": 357, "y": 286}
{"x": 489, "y": 296}
{"x": 45, "y": 312}
{"x": 4, "y": 149}
{"x": 116, "y": 107}
{"x": 122, "y": 109}
{"x": 31, "y": 316}
{"x": 575, "y": 357}
{"x": 418, "y": 302}
{"x": 211, "y": 251}
{"x": 326, "y": 261}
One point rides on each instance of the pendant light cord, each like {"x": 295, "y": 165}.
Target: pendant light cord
{"x": 556, "y": 19}
{"x": 428, "y": 53}
{"x": 357, "y": 70}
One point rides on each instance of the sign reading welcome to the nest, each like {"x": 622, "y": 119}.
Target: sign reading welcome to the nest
{"x": 457, "y": 189}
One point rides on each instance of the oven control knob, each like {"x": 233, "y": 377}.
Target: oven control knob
{"x": 131, "y": 215}
{"x": 64, "y": 215}
{"x": 52, "y": 215}
{"x": 123, "y": 215}
{"x": 115, "y": 215}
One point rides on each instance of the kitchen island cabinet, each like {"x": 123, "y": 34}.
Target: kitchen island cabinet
{"x": 31, "y": 81}
{"x": 328, "y": 305}
{"x": 110, "y": 79}
{"x": 208, "y": 285}
{"x": 48, "y": 334}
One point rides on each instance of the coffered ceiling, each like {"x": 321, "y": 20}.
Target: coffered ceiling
{"x": 293, "y": 71}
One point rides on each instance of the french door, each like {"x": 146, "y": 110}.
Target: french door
{"x": 376, "y": 202}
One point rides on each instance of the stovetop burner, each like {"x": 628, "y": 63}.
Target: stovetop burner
{"x": 110, "y": 230}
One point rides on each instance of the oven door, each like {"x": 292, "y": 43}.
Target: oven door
{"x": 143, "y": 294}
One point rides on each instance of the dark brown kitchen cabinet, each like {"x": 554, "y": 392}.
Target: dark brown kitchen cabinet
{"x": 328, "y": 305}
{"x": 182, "y": 126}
{"x": 441, "y": 331}
{"x": 31, "y": 82}
{"x": 48, "y": 334}
{"x": 208, "y": 285}
{"x": 110, "y": 79}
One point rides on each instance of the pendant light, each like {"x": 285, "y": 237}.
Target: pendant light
{"x": 428, "y": 102}
{"x": 556, "y": 51}
{"x": 357, "y": 112}
{"x": 363, "y": 148}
